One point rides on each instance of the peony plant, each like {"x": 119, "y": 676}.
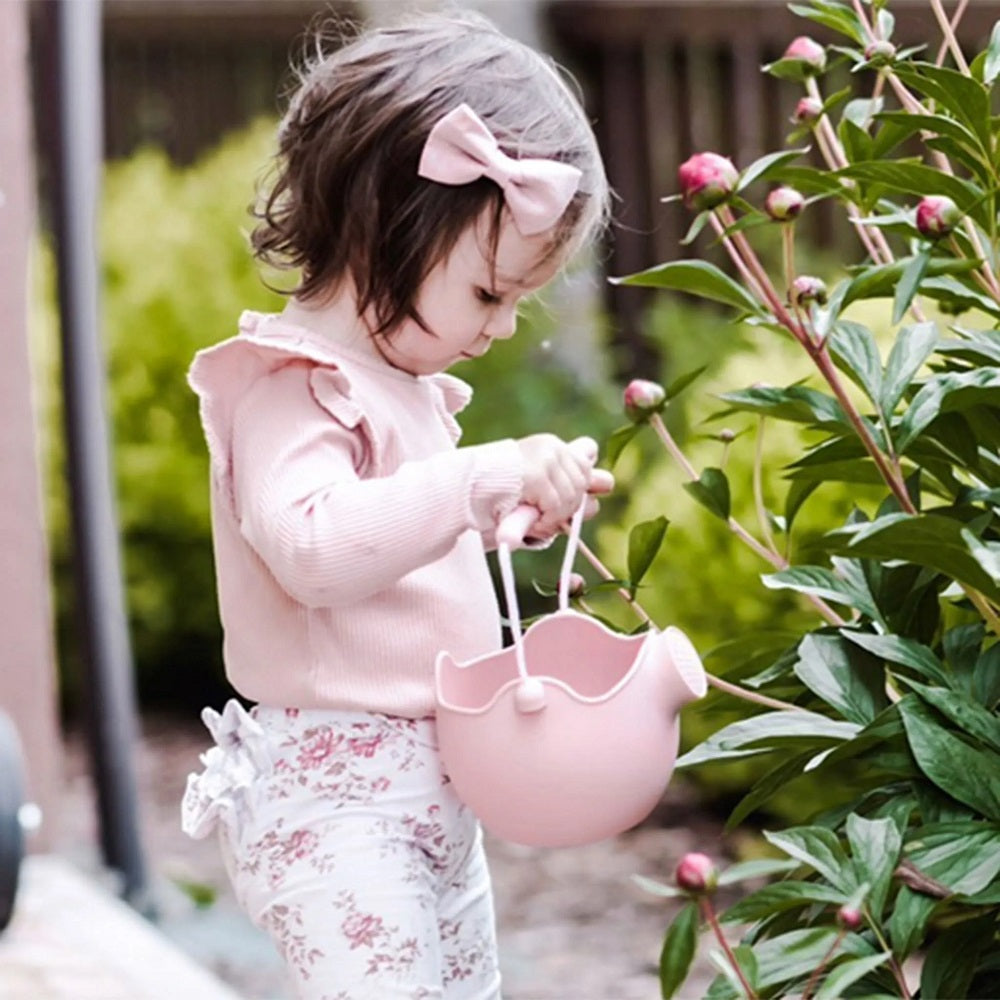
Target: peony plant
{"x": 891, "y": 700}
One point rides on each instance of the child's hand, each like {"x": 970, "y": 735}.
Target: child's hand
{"x": 557, "y": 475}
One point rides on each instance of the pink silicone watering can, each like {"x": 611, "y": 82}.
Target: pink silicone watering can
{"x": 569, "y": 735}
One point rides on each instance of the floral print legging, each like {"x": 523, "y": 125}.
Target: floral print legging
{"x": 345, "y": 842}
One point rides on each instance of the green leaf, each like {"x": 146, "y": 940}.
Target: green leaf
{"x": 964, "y": 97}
{"x": 840, "y": 19}
{"x": 697, "y": 277}
{"x": 975, "y": 346}
{"x": 963, "y": 855}
{"x": 845, "y": 677}
{"x": 855, "y": 352}
{"x": 948, "y": 391}
{"x": 924, "y": 539}
{"x": 909, "y": 351}
{"x": 679, "y": 946}
{"x": 880, "y": 280}
{"x": 758, "y": 868}
{"x": 766, "y": 165}
{"x": 856, "y": 141}
{"x": 909, "y": 283}
{"x": 773, "y": 781}
{"x": 618, "y": 441}
{"x": 778, "y": 897}
{"x": 698, "y": 223}
{"x": 875, "y": 846}
{"x": 657, "y": 888}
{"x": 712, "y": 491}
{"x": 970, "y": 775}
{"x": 900, "y": 649}
{"x": 820, "y": 581}
{"x": 951, "y": 960}
{"x": 910, "y": 123}
{"x": 765, "y": 732}
{"x": 644, "y": 541}
{"x": 790, "y": 956}
{"x": 908, "y": 920}
{"x": 986, "y": 677}
{"x": 965, "y": 713}
{"x": 797, "y": 495}
{"x": 991, "y": 67}
{"x": 796, "y": 403}
{"x": 819, "y": 848}
{"x": 913, "y": 178}
{"x": 682, "y": 381}
{"x": 847, "y": 973}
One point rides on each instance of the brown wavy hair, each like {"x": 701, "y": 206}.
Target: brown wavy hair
{"x": 346, "y": 200}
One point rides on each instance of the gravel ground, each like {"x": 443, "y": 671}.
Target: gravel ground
{"x": 572, "y": 924}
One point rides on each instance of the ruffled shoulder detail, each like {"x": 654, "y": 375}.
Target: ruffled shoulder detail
{"x": 453, "y": 397}
{"x": 221, "y": 376}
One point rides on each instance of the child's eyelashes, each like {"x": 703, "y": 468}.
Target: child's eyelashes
{"x": 487, "y": 297}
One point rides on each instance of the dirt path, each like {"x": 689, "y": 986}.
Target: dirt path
{"x": 572, "y": 924}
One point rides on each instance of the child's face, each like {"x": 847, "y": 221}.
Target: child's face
{"x": 467, "y": 304}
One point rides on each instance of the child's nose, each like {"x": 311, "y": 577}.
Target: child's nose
{"x": 502, "y": 323}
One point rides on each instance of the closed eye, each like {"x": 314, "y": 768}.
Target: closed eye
{"x": 487, "y": 297}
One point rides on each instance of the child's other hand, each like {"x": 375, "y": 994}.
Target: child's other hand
{"x": 557, "y": 475}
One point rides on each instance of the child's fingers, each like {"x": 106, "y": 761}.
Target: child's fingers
{"x": 585, "y": 446}
{"x": 601, "y": 481}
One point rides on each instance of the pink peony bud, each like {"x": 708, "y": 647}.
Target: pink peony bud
{"x": 642, "y": 399}
{"x": 937, "y": 216}
{"x": 880, "y": 53}
{"x": 784, "y": 204}
{"x": 806, "y": 288}
{"x": 807, "y": 111}
{"x": 696, "y": 873}
{"x": 727, "y": 435}
{"x": 849, "y": 918}
{"x": 707, "y": 180}
{"x": 577, "y": 585}
{"x": 810, "y": 55}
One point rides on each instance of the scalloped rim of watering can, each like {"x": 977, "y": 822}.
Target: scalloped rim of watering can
{"x": 639, "y": 639}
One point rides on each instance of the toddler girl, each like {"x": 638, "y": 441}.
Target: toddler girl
{"x": 430, "y": 175}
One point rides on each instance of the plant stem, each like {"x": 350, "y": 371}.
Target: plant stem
{"x": 822, "y": 360}
{"x": 894, "y": 965}
{"x": 745, "y": 274}
{"x": 589, "y": 555}
{"x": 788, "y": 248}
{"x": 957, "y": 17}
{"x": 758, "y": 490}
{"x": 759, "y": 699}
{"x": 708, "y": 912}
{"x": 774, "y": 558}
{"x": 818, "y": 971}
{"x": 949, "y": 36}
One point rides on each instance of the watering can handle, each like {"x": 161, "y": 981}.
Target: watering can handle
{"x": 511, "y": 531}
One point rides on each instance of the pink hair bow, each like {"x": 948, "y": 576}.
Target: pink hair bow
{"x": 461, "y": 149}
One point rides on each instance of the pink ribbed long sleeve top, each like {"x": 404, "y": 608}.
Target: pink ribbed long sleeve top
{"x": 349, "y": 531}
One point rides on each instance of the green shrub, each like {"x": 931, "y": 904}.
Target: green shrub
{"x": 890, "y": 693}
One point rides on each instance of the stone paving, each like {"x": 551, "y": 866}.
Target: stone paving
{"x": 70, "y": 939}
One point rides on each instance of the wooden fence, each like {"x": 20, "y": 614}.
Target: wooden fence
{"x": 667, "y": 78}
{"x": 663, "y": 79}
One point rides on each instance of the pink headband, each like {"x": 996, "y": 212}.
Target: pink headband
{"x": 461, "y": 149}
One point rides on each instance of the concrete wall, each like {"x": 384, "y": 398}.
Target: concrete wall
{"x": 27, "y": 673}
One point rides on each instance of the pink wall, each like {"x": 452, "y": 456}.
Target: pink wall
{"x": 27, "y": 674}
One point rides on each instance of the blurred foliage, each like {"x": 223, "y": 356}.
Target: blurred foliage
{"x": 176, "y": 273}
